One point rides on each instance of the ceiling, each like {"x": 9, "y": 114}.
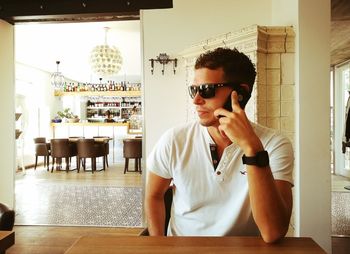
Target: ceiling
{"x": 14, "y": 11}
{"x": 340, "y": 30}
{"x": 41, "y": 45}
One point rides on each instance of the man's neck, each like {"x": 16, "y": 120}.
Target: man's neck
{"x": 221, "y": 141}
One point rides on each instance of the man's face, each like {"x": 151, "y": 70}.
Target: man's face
{"x": 205, "y": 107}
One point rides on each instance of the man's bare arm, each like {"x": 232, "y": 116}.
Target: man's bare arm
{"x": 156, "y": 187}
{"x": 271, "y": 201}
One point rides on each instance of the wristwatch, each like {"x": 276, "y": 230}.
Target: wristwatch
{"x": 261, "y": 159}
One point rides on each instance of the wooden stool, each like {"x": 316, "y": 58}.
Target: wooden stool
{"x": 42, "y": 149}
{"x": 132, "y": 149}
{"x": 89, "y": 148}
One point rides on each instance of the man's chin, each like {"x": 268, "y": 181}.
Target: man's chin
{"x": 208, "y": 122}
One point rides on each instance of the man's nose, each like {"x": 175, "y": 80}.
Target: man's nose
{"x": 198, "y": 99}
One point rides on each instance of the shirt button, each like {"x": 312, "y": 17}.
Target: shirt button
{"x": 218, "y": 173}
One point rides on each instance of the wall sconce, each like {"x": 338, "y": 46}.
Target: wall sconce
{"x": 163, "y": 59}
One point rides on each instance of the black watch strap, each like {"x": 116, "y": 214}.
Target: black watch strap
{"x": 261, "y": 159}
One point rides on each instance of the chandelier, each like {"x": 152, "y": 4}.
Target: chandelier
{"x": 105, "y": 60}
{"x": 57, "y": 79}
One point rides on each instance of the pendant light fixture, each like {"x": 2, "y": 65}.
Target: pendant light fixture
{"x": 105, "y": 60}
{"x": 57, "y": 79}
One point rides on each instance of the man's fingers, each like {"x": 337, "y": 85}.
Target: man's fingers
{"x": 234, "y": 98}
{"x": 221, "y": 112}
{"x": 222, "y": 132}
{"x": 235, "y": 102}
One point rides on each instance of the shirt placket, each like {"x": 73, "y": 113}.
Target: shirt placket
{"x": 222, "y": 168}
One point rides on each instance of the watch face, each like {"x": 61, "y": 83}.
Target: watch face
{"x": 262, "y": 159}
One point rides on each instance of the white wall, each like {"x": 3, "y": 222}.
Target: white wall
{"x": 40, "y": 83}
{"x": 38, "y": 107}
{"x": 7, "y": 114}
{"x": 285, "y": 13}
{"x": 313, "y": 122}
{"x": 312, "y": 204}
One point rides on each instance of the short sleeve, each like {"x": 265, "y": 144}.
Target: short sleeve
{"x": 282, "y": 159}
{"x": 158, "y": 161}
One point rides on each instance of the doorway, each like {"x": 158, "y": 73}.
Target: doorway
{"x": 37, "y": 48}
{"x": 341, "y": 97}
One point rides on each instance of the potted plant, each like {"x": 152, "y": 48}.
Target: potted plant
{"x": 68, "y": 115}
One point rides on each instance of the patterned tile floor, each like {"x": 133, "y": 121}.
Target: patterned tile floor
{"x": 107, "y": 198}
{"x": 340, "y": 206}
{"x": 72, "y": 205}
{"x": 341, "y": 213}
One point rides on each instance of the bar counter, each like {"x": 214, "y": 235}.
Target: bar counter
{"x": 127, "y": 124}
{"x": 90, "y": 124}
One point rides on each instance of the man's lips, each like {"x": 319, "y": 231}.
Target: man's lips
{"x": 202, "y": 112}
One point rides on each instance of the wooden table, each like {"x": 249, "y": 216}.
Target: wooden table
{"x": 7, "y": 239}
{"x": 199, "y": 245}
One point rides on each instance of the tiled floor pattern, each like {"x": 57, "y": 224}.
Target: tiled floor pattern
{"x": 341, "y": 213}
{"x": 78, "y": 205}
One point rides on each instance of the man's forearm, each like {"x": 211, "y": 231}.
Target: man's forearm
{"x": 271, "y": 204}
{"x": 155, "y": 214}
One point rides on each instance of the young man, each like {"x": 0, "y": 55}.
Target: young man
{"x": 229, "y": 176}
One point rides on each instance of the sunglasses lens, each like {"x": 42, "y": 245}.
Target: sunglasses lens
{"x": 207, "y": 92}
{"x": 192, "y": 90}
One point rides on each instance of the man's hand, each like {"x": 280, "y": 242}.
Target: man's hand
{"x": 236, "y": 126}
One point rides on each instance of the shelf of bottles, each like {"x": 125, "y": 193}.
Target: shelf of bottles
{"x": 120, "y": 108}
{"x": 110, "y": 88}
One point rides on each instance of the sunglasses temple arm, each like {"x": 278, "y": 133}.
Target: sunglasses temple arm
{"x": 152, "y": 65}
{"x": 175, "y": 65}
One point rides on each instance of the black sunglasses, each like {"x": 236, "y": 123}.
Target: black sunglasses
{"x": 207, "y": 91}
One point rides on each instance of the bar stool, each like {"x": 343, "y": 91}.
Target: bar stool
{"x": 89, "y": 148}
{"x": 42, "y": 149}
{"x": 132, "y": 149}
{"x": 106, "y": 147}
{"x": 62, "y": 148}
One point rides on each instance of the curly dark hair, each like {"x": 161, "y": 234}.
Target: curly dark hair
{"x": 236, "y": 65}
